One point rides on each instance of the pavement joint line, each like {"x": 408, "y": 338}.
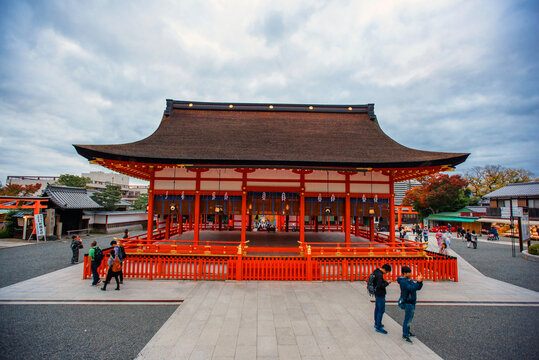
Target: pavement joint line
{"x": 25, "y": 302}
{"x": 114, "y": 301}
{"x": 426, "y": 302}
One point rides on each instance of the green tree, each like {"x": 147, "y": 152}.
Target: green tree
{"x": 73, "y": 180}
{"x": 438, "y": 193}
{"x": 141, "y": 202}
{"x": 109, "y": 198}
{"x": 485, "y": 179}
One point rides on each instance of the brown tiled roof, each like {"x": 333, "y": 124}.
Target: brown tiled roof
{"x": 344, "y": 136}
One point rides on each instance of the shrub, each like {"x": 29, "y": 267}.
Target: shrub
{"x": 534, "y": 249}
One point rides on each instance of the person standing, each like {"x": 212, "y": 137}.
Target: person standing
{"x": 426, "y": 234}
{"x": 468, "y": 238}
{"x": 474, "y": 239}
{"x": 439, "y": 237}
{"x": 126, "y": 234}
{"x": 95, "y": 261}
{"x": 409, "y": 288}
{"x": 380, "y": 285}
{"x": 119, "y": 253}
{"x": 76, "y": 244}
{"x": 114, "y": 267}
{"x": 447, "y": 238}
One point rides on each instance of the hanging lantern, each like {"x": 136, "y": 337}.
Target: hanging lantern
{"x": 375, "y": 198}
{"x": 283, "y": 196}
{"x": 319, "y": 197}
{"x": 172, "y": 207}
{"x": 264, "y": 195}
{"x": 364, "y": 198}
{"x": 332, "y": 197}
{"x": 226, "y": 196}
{"x": 183, "y": 195}
{"x": 327, "y": 210}
{"x": 218, "y": 209}
{"x": 213, "y": 195}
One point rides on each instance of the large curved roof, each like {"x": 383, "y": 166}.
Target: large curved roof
{"x": 267, "y": 135}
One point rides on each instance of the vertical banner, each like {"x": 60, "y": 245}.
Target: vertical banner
{"x": 525, "y": 227}
{"x": 40, "y": 226}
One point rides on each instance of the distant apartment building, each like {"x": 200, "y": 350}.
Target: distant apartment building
{"x": 100, "y": 179}
{"x": 32, "y": 180}
{"x": 402, "y": 187}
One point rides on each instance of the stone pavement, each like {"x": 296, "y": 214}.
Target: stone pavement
{"x": 269, "y": 320}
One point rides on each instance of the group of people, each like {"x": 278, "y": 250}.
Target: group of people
{"x": 115, "y": 260}
{"x": 443, "y": 240}
{"x": 407, "y": 300}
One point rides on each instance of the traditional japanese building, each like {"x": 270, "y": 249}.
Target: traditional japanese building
{"x": 307, "y": 167}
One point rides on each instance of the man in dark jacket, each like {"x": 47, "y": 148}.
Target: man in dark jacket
{"x": 408, "y": 294}
{"x": 76, "y": 244}
{"x": 380, "y": 297}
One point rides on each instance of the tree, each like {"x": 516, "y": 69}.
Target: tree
{"x": 19, "y": 190}
{"x": 108, "y": 198}
{"x": 73, "y": 180}
{"x": 486, "y": 179}
{"x": 141, "y": 202}
{"x": 438, "y": 193}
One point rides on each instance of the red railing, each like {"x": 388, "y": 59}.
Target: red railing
{"x": 294, "y": 268}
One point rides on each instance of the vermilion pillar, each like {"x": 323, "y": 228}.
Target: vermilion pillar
{"x": 302, "y": 218}
{"x": 346, "y": 222}
{"x": 197, "y": 218}
{"x": 243, "y": 217}
{"x": 391, "y": 211}
{"x": 150, "y": 204}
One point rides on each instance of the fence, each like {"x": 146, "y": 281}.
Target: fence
{"x": 293, "y": 268}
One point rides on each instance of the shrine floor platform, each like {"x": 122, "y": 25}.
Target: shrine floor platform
{"x": 271, "y": 239}
{"x": 269, "y": 320}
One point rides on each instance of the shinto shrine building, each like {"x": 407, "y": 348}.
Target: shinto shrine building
{"x": 284, "y": 167}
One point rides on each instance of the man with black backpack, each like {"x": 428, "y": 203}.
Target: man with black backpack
{"x": 376, "y": 286}
{"x": 120, "y": 254}
{"x": 96, "y": 257}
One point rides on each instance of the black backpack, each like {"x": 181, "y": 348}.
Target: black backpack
{"x": 98, "y": 255}
{"x": 121, "y": 253}
{"x": 371, "y": 288}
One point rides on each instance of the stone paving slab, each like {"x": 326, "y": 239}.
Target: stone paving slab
{"x": 278, "y": 320}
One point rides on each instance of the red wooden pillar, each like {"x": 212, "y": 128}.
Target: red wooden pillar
{"x": 391, "y": 211}
{"x": 302, "y": 218}
{"x": 167, "y": 226}
{"x": 371, "y": 227}
{"x": 151, "y": 204}
{"x": 347, "y": 213}
{"x": 399, "y": 218}
{"x": 197, "y": 218}
{"x": 243, "y": 217}
{"x": 180, "y": 224}
{"x": 315, "y": 223}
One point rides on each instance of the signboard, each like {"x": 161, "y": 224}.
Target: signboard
{"x": 525, "y": 231}
{"x": 506, "y": 211}
{"x": 40, "y": 225}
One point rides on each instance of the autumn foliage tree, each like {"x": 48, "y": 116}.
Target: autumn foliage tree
{"x": 438, "y": 193}
{"x": 19, "y": 190}
{"x": 485, "y": 179}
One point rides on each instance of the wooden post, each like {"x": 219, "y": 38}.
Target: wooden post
{"x": 399, "y": 217}
{"x": 197, "y": 218}
{"x": 391, "y": 211}
{"x": 167, "y": 226}
{"x": 371, "y": 227}
{"x": 243, "y": 216}
{"x": 346, "y": 221}
{"x": 151, "y": 204}
{"x": 302, "y": 218}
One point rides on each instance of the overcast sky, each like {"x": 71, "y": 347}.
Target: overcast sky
{"x": 455, "y": 76}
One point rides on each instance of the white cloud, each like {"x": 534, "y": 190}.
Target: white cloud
{"x": 445, "y": 75}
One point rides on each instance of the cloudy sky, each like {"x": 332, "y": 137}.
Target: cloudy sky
{"x": 456, "y": 76}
